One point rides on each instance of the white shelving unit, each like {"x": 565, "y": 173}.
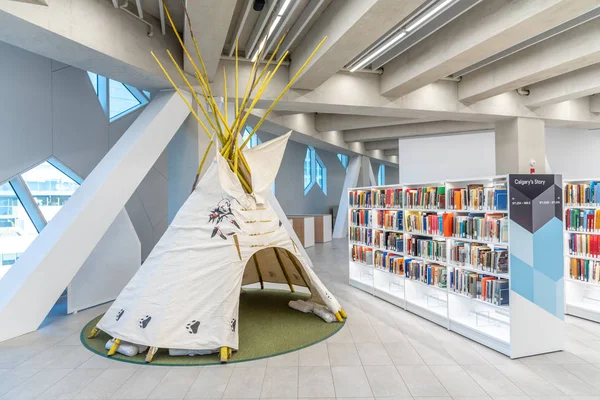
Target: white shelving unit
{"x": 582, "y": 298}
{"x": 493, "y": 325}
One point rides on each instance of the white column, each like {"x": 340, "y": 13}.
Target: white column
{"x": 340, "y": 229}
{"x": 29, "y": 289}
{"x": 519, "y": 143}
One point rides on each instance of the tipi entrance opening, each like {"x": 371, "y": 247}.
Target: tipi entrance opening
{"x": 275, "y": 268}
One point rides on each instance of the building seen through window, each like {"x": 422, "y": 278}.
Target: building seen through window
{"x": 36, "y": 195}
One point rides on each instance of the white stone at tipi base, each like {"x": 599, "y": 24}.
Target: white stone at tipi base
{"x": 186, "y": 294}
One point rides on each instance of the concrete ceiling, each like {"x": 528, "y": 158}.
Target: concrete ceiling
{"x": 459, "y": 71}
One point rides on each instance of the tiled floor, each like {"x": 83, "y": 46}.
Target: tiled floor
{"x": 382, "y": 352}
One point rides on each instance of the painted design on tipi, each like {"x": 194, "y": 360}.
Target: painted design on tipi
{"x": 193, "y": 326}
{"x": 219, "y": 214}
{"x": 145, "y": 321}
{"x": 119, "y": 314}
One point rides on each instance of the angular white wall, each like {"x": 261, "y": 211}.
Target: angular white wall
{"x": 110, "y": 266}
{"x": 29, "y": 289}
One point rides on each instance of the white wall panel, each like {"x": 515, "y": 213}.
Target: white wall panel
{"x": 141, "y": 223}
{"x": 112, "y": 264}
{"x": 573, "y": 152}
{"x": 432, "y": 159}
{"x": 80, "y": 126}
{"x": 25, "y": 110}
{"x": 154, "y": 196}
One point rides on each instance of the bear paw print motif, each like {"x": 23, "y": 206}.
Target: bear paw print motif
{"x": 233, "y": 324}
{"x": 119, "y": 314}
{"x": 145, "y": 321}
{"x": 193, "y": 326}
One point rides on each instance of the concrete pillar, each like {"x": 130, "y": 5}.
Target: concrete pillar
{"x": 520, "y": 141}
{"x": 366, "y": 177}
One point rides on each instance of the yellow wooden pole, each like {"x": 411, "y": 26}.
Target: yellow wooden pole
{"x": 181, "y": 95}
{"x": 291, "y": 82}
{"x": 193, "y": 93}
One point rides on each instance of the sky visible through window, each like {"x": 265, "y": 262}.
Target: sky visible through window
{"x": 121, "y": 99}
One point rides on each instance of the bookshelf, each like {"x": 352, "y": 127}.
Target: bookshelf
{"x": 582, "y": 248}
{"x": 444, "y": 251}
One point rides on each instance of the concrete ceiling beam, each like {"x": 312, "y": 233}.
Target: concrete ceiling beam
{"x": 391, "y": 152}
{"x": 350, "y": 26}
{"x": 341, "y": 122}
{"x": 429, "y": 128}
{"x": 93, "y": 36}
{"x": 595, "y": 103}
{"x": 485, "y": 30}
{"x": 382, "y": 145}
{"x": 358, "y": 94}
{"x": 210, "y": 22}
{"x": 579, "y": 83}
{"x": 569, "y": 51}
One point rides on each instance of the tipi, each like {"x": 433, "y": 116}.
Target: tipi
{"x": 186, "y": 294}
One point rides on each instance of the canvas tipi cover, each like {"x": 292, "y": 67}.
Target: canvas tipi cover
{"x": 186, "y": 294}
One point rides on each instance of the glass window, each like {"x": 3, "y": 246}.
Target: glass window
{"x": 308, "y": 168}
{"x": 343, "y": 159}
{"x": 255, "y": 141}
{"x": 320, "y": 174}
{"x": 16, "y": 229}
{"x": 381, "y": 175}
{"x": 50, "y": 188}
{"x": 94, "y": 79}
{"x": 121, "y": 99}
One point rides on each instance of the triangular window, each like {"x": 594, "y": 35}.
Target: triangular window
{"x": 94, "y": 79}
{"x": 121, "y": 99}
{"x": 16, "y": 229}
{"x": 50, "y": 188}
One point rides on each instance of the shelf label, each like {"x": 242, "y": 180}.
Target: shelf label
{"x": 536, "y": 248}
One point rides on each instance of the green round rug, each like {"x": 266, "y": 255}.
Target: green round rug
{"x": 267, "y": 327}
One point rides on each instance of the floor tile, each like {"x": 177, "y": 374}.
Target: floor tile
{"x": 373, "y": 354}
{"x": 350, "y": 382}
{"x": 385, "y": 381}
{"x": 37, "y": 384}
{"x": 210, "y": 383}
{"x": 284, "y": 360}
{"x": 343, "y": 354}
{"x": 141, "y": 383}
{"x": 421, "y": 381}
{"x": 364, "y": 334}
{"x": 105, "y": 385}
{"x": 456, "y": 381}
{"x": 245, "y": 383}
{"x": 492, "y": 381}
{"x": 403, "y": 353}
{"x": 566, "y": 382}
{"x": 14, "y": 378}
{"x": 71, "y": 384}
{"x": 527, "y": 380}
{"x": 280, "y": 382}
{"x": 315, "y": 382}
{"x": 314, "y": 356}
{"x": 175, "y": 384}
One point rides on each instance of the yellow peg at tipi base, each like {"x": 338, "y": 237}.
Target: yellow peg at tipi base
{"x": 114, "y": 347}
{"x": 221, "y": 126}
{"x": 94, "y": 333}
{"x": 151, "y": 352}
{"x": 343, "y": 313}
